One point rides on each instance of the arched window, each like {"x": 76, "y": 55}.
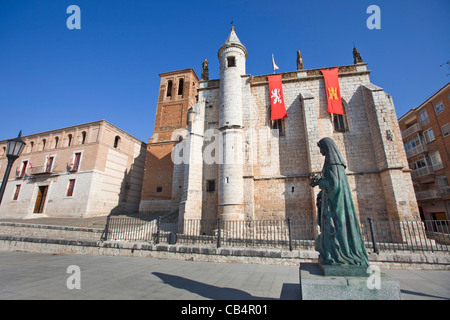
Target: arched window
{"x": 69, "y": 137}
{"x": 340, "y": 121}
{"x": 43, "y": 143}
{"x": 83, "y": 137}
{"x": 31, "y": 145}
{"x": 116, "y": 142}
{"x": 56, "y": 142}
{"x": 180, "y": 87}
{"x": 169, "y": 88}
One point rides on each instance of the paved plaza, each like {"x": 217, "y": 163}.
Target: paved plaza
{"x": 43, "y": 276}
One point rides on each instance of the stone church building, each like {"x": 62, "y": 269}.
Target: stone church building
{"x": 215, "y": 152}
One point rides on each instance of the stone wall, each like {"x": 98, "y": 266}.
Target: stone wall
{"x": 276, "y": 167}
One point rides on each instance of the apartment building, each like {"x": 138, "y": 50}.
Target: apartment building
{"x": 85, "y": 170}
{"x": 426, "y": 137}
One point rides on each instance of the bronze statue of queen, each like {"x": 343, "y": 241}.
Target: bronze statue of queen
{"x": 340, "y": 242}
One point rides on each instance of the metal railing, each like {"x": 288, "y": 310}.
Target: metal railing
{"x": 416, "y": 150}
{"x": 428, "y": 194}
{"x": 416, "y": 173}
{"x": 427, "y": 235}
{"x": 275, "y": 234}
{"x": 413, "y": 129}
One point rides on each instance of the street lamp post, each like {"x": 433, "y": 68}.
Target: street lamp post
{"x": 13, "y": 150}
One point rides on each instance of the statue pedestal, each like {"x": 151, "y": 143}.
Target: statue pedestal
{"x": 343, "y": 271}
{"x": 314, "y": 285}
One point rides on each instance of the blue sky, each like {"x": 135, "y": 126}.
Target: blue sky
{"x": 52, "y": 77}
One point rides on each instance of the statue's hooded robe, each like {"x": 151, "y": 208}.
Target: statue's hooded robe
{"x": 340, "y": 241}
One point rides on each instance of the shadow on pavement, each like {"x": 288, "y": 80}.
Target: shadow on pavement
{"x": 206, "y": 290}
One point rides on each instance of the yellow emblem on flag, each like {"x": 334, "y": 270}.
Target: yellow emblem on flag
{"x": 332, "y": 93}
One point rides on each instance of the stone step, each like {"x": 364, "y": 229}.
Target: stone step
{"x": 50, "y": 231}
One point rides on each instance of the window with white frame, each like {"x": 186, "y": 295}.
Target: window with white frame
{"x": 423, "y": 118}
{"x": 412, "y": 142}
{"x": 436, "y": 161}
{"x": 439, "y": 107}
{"x": 75, "y": 161}
{"x": 442, "y": 181}
{"x": 49, "y": 164}
{"x": 429, "y": 135}
{"x": 446, "y": 129}
{"x": 419, "y": 163}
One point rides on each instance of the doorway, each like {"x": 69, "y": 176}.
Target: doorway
{"x": 40, "y": 200}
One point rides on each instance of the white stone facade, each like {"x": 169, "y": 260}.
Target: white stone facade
{"x": 272, "y": 179}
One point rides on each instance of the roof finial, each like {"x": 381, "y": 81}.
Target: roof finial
{"x": 232, "y": 24}
{"x": 356, "y": 56}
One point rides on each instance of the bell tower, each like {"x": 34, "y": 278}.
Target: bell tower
{"x": 177, "y": 94}
{"x": 232, "y": 56}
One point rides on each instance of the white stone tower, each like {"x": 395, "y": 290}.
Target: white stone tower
{"x": 232, "y": 56}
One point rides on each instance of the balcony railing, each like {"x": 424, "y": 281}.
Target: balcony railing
{"x": 428, "y": 194}
{"x": 43, "y": 170}
{"x": 422, "y": 172}
{"x": 438, "y": 166}
{"x": 411, "y": 130}
{"x": 417, "y": 150}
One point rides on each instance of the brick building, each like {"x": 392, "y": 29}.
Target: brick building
{"x": 177, "y": 94}
{"x": 234, "y": 162}
{"x": 81, "y": 171}
{"x": 425, "y": 132}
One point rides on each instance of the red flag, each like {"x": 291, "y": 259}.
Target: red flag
{"x": 277, "y": 110}
{"x": 333, "y": 91}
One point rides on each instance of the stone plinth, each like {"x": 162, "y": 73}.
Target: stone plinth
{"x": 343, "y": 271}
{"x": 314, "y": 285}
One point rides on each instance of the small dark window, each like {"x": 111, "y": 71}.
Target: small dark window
{"x": 116, "y": 142}
{"x": 70, "y": 140}
{"x": 43, "y": 143}
{"x": 340, "y": 121}
{"x": 71, "y": 187}
{"x": 180, "y": 87}
{"x": 169, "y": 89}
{"x": 16, "y": 193}
{"x": 49, "y": 165}
{"x": 24, "y": 169}
{"x": 158, "y": 189}
{"x": 339, "y": 124}
{"x": 231, "y": 62}
{"x": 210, "y": 185}
{"x": 83, "y": 137}
{"x": 56, "y": 142}
{"x": 279, "y": 125}
{"x": 75, "y": 162}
